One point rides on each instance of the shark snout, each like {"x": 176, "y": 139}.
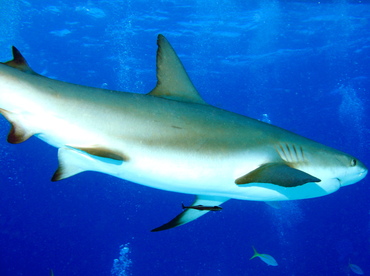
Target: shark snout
{"x": 357, "y": 173}
{"x": 363, "y": 173}
{"x": 363, "y": 169}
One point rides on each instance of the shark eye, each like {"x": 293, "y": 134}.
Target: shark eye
{"x": 353, "y": 162}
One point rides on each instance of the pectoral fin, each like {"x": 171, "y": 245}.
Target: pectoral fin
{"x": 274, "y": 204}
{"x": 277, "y": 174}
{"x": 191, "y": 214}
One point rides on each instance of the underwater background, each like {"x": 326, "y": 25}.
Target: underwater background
{"x": 301, "y": 65}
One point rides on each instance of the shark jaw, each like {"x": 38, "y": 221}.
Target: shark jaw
{"x": 169, "y": 139}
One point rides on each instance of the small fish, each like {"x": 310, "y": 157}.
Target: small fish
{"x": 268, "y": 259}
{"x": 356, "y": 269}
{"x": 203, "y": 208}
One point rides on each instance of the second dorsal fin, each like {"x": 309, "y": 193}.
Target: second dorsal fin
{"x": 172, "y": 80}
{"x": 19, "y": 62}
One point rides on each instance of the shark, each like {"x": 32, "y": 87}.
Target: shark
{"x": 169, "y": 139}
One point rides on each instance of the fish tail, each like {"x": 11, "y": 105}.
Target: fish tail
{"x": 183, "y": 206}
{"x": 256, "y": 254}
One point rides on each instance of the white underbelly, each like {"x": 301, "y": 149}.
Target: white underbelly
{"x": 176, "y": 171}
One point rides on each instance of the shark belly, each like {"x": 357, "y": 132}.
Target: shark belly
{"x": 193, "y": 173}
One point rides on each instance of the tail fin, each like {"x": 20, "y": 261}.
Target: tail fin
{"x": 183, "y": 206}
{"x": 255, "y": 253}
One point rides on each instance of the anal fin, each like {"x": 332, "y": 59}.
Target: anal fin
{"x": 17, "y": 133}
{"x": 191, "y": 214}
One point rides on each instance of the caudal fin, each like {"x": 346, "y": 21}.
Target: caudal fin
{"x": 255, "y": 253}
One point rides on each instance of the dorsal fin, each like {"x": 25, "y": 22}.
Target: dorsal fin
{"x": 172, "y": 80}
{"x": 19, "y": 62}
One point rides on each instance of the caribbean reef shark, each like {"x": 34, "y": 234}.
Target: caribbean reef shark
{"x": 169, "y": 139}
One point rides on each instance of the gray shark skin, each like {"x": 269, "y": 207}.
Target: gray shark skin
{"x": 169, "y": 139}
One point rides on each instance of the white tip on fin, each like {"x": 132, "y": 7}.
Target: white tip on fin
{"x": 172, "y": 80}
{"x": 191, "y": 214}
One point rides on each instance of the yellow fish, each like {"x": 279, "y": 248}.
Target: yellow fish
{"x": 356, "y": 269}
{"x": 268, "y": 259}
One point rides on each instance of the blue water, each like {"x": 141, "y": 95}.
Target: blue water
{"x": 303, "y": 63}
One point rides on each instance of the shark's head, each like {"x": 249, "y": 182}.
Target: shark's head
{"x": 311, "y": 170}
{"x": 322, "y": 162}
{"x": 333, "y": 164}
{"x": 351, "y": 170}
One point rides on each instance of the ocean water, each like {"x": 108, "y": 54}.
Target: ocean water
{"x": 301, "y": 65}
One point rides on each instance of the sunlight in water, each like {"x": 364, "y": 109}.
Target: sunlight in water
{"x": 285, "y": 219}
